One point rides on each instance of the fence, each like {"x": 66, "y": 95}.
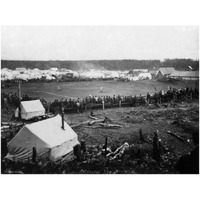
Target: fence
{"x": 95, "y": 106}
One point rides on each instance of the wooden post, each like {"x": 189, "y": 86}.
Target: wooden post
{"x": 159, "y": 147}
{"x": 156, "y": 152}
{"x": 141, "y": 135}
{"x": 83, "y": 146}
{"x": 19, "y": 98}
{"x": 11, "y": 134}
{"x": 106, "y": 143}
{"x": 34, "y": 155}
{"x": 120, "y": 103}
{"x": 11, "y": 131}
{"x": 48, "y": 107}
{"x": 77, "y": 151}
{"x": 4, "y": 148}
{"x": 63, "y": 119}
{"x": 19, "y": 110}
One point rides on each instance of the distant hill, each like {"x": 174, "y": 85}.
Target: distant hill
{"x": 178, "y": 64}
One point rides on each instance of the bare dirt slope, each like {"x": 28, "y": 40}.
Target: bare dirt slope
{"x": 182, "y": 119}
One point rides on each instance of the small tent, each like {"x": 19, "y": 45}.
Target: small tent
{"x": 47, "y": 137}
{"x": 30, "y": 109}
{"x": 144, "y": 75}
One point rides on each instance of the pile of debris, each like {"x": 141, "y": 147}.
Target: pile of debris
{"x": 99, "y": 123}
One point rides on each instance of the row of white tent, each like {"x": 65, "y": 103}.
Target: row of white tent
{"x": 48, "y": 137}
{"x": 114, "y": 74}
{"x": 7, "y": 74}
{"x": 99, "y": 74}
{"x": 28, "y": 74}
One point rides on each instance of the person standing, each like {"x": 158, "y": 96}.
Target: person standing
{"x": 148, "y": 97}
{"x": 78, "y": 106}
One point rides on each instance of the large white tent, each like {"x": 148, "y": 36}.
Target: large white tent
{"x": 144, "y": 75}
{"x": 30, "y": 109}
{"x": 47, "y": 136}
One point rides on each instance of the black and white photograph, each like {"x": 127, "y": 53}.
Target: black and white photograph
{"x": 99, "y": 100}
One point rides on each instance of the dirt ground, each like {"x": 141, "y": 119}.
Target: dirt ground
{"x": 181, "y": 119}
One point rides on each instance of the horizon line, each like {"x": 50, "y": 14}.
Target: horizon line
{"x": 106, "y": 59}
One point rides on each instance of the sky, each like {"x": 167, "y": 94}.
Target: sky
{"x": 99, "y": 42}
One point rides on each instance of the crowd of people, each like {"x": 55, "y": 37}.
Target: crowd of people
{"x": 80, "y": 105}
{"x": 171, "y": 94}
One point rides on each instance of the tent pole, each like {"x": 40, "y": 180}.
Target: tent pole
{"x": 19, "y": 97}
{"x": 63, "y": 119}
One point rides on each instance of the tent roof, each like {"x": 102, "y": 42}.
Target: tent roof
{"x": 166, "y": 70}
{"x": 32, "y": 106}
{"x": 185, "y": 74}
{"x": 50, "y": 131}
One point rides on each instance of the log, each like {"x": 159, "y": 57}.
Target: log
{"x": 5, "y": 127}
{"x": 11, "y": 123}
{"x": 94, "y": 118}
{"x": 176, "y": 136}
{"x": 82, "y": 123}
{"x": 94, "y": 121}
{"x": 106, "y": 119}
{"x": 110, "y": 125}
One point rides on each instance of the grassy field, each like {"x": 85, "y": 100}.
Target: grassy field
{"x": 51, "y": 91}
